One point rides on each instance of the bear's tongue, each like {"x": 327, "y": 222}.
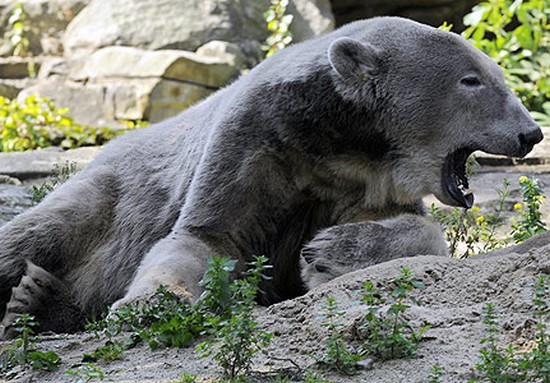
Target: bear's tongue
{"x": 454, "y": 178}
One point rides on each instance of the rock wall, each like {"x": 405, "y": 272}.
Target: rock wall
{"x": 138, "y": 59}
{"x": 143, "y": 60}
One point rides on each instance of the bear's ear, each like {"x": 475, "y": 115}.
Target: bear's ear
{"x": 352, "y": 59}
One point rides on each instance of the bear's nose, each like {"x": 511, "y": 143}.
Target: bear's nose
{"x": 531, "y": 138}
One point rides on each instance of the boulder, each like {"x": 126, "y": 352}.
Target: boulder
{"x": 185, "y": 25}
{"x": 124, "y": 83}
{"x": 133, "y": 63}
{"x": 86, "y": 104}
{"x": 311, "y": 18}
{"x": 14, "y": 198}
{"x": 224, "y": 51}
{"x": 10, "y": 88}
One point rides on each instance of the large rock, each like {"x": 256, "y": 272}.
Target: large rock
{"x": 185, "y": 25}
{"x": 41, "y": 163}
{"x": 87, "y": 104}
{"x": 124, "y": 83}
{"x": 14, "y": 198}
{"x": 133, "y": 63}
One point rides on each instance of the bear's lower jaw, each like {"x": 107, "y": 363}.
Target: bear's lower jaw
{"x": 454, "y": 181}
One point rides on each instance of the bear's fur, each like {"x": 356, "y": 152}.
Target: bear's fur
{"x": 341, "y": 249}
{"x": 355, "y": 125}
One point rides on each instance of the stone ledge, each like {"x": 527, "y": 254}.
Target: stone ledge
{"x": 18, "y": 67}
{"x": 40, "y": 163}
{"x": 126, "y": 62}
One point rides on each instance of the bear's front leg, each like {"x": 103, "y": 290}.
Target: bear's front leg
{"x": 344, "y": 248}
{"x": 177, "y": 262}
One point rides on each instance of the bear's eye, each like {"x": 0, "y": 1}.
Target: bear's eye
{"x": 471, "y": 81}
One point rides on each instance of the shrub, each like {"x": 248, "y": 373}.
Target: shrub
{"x": 37, "y": 123}
{"x": 223, "y": 312}
{"x": 478, "y": 233}
{"x": 236, "y": 336}
{"x": 337, "y": 356}
{"x": 86, "y": 373}
{"x": 60, "y": 175}
{"x": 530, "y": 223}
{"x": 22, "y": 351}
{"x": 516, "y": 34}
{"x": 389, "y": 333}
{"x": 507, "y": 364}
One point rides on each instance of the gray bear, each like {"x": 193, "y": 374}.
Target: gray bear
{"x": 341, "y": 249}
{"x": 355, "y": 125}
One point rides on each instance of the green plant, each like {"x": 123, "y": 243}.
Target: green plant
{"x": 164, "y": 321}
{"x": 312, "y": 378}
{"x": 477, "y": 232}
{"x": 538, "y": 360}
{"x": 516, "y": 34}
{"x": 436, "y": 372}
{"x": 236, "y": 336}
{"x": 111, "y": 351}
{"x": 494, "y": 365}
{"x": 18, "y": 34}
{"x": 36, "y": 122}
{"x": 507, "y": 364}
{"x": 222, "y": 311}
{"x": 216, "y": 297}
{"x": 134, "y": 124}
{"x": 18, "y": 30}
{"x": 530, "y": 223}
{"x": 389, "y": 333}
{"x": 86, "y": 373}
{"x": 60, "y": 175}
{"x": 337, "y": 356}
{"x": 23, "y": 350}
{"x": 187, "y": 378}
{"x": 278, "y": 24}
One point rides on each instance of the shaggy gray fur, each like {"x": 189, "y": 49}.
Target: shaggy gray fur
{"x": 354, "y": 125}
{"x": 345, "y": 248}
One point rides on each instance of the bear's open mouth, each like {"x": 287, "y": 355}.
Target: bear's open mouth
{"x": 454, "y": 179}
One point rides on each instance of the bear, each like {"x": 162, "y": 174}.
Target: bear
{"x": 342, "y": 249}
{"x": 356, "y": 125}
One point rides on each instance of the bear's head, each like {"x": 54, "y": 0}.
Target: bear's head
{"x": 438, "y": 100}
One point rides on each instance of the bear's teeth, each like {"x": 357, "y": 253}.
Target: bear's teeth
{"x": 464, "y": 190}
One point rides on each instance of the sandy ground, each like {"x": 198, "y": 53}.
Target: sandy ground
{"x": 455, "y": 294}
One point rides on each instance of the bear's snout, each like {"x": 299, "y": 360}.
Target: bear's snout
{"x": 531, "y": 138}
{"x": 528, "y": 140}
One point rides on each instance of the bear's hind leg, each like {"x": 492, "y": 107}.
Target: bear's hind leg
{"x": 45, "y": 297}
{"x": 58, "y": 232}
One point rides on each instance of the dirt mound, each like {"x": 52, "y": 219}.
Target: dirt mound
{"x": 456, "y": 292}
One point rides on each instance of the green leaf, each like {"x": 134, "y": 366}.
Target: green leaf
{"x": 479, "y": 12}
{"x": 524, "y": 36}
